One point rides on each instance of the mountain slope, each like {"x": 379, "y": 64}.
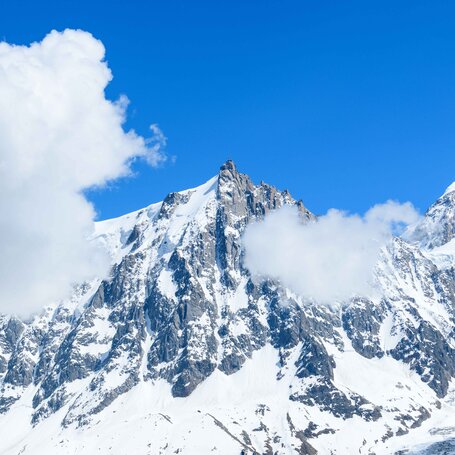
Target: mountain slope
{"x": 180, "y": 350}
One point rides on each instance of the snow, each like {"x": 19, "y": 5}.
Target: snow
{"x": 114, "y": 233}
{"x": 450, "y": 188}
{"x": 444, "y": 255}
{"x": 149, "y": 420}
{"x": 166, "y": 284}
{"x": 193, "y": 210}
{"x": 237, "y": 299}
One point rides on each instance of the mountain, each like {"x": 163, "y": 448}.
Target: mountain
{"x": 181, "y": 351}
{"x": 437, "y": 227}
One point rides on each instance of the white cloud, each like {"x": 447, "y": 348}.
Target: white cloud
{"x": 328, "y": 260}
{"x": 58, "y": 136}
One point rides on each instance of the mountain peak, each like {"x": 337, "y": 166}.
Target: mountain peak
{"x": 231, "y": 183}
{"x": 437, "y": 227}
{"x": 228, "y": 165}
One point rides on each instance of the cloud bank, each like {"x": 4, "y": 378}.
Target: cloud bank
{"x": 59, "y": 135}
{"x": 328, "y": 260}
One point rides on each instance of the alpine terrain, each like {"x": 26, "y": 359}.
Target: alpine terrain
{"x": 181, "y": 351}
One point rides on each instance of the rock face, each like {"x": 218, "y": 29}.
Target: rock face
{"x": 181, "y": 343}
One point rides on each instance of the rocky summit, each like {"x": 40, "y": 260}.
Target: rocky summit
{"x": 181, "y": 350}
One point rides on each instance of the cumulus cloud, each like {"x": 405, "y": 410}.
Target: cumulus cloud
{"x": 59, "y": 135}
{"x": 328, "y": 260}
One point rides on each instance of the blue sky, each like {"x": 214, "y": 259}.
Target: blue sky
{"x": 346, "y": 104}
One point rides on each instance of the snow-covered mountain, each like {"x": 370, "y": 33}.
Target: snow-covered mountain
{"x": 437, "y": 228}
{"x": 180, "y": 351}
